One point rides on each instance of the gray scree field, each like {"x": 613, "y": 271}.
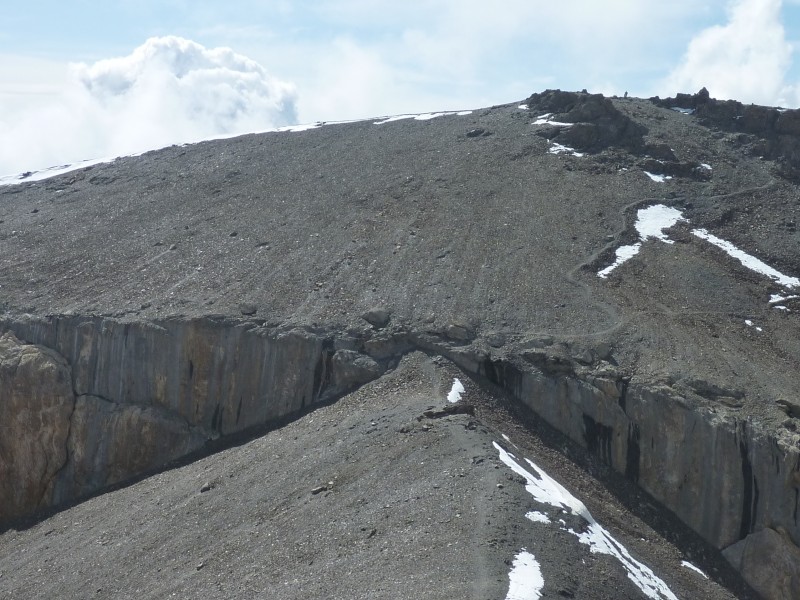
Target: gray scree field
{"x": 224, "y": 367}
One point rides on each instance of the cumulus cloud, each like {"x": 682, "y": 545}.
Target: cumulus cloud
{"x": 169, "y": 90}
{"x": 746, "y": 59}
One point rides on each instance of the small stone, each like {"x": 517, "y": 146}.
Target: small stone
{"x": 378, "y": 317}
{"x": 319, "y": 489}
{"x": 495, "y": 339}
{"x": 200, "y": 566}
{"x": 233, "y": 234}
{"x": 475, "y": 132}
{"x": 206, "y": 487}
{"x": 460, "y": 331}
{"x": 499, "y": 486}
{"x": 248, "y": 309}
{"x": 173, "y": 247}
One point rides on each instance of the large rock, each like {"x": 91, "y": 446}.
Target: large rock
{"x": 36, "y": 403}
{"x": 769, "y": 562}
{"x": 111, "y": 442}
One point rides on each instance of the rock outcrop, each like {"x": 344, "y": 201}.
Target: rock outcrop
{"x": 110, "y": 400}
{"x": 36, "y": 406}
{"x": 595, "y": 123}
{"x": 772, "y": 133}
{"x": 769, "y": 562}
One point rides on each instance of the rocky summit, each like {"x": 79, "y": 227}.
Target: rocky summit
{"x": 546, "y": 349}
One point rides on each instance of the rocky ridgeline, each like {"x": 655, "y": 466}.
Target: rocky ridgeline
{"x": 96, "y": 401}
{"x": 772, "y": 133}
{"x": 591, "y": 123}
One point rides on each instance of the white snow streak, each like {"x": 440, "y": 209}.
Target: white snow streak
{"x": 751, "y": 262}
{"x": 547, "y": 490}
{"x": 623, "y": 253}
{"x": 66, "y": 168}
{"x": 545, "y": 120}
{"x": 455, "y": 392}
{"x": 775, "y": 298}
{"x": 560, "y": 149}
{"x": 537, "y": 517}
{"x": 525, "y": 578}
{"x": 683, "y": 111}
{"x": 422, "y": 117}
{"x": 52, "y": 171}
{"x": 657, "y": 178}
{"x": 689, "y": 565}
{"x": 523, "y": 107}
{"x": 653, "y": 220}
{"x": 650, "y": 223}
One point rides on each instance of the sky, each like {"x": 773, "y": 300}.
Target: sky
{"x": 88, "y": 79}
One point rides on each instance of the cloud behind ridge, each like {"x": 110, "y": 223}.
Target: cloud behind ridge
{"x": 169, "y": 90}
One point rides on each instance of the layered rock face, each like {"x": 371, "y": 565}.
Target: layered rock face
{"x": 114, "y": 400}
{"x": 146, "y": 395}
{"x": 35, "y": 412}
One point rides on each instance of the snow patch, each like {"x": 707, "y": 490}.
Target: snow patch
{"x": 537, "y": 517}
{"x": 560, "y": 149}
{"x": 455, "y": 392}
{"x": 545, "y": 119}
{"x": 689, "y": 565}
{"x": 525, "y": 578}
{"x": 296, "y": 128}
{"x": 547, "y": 490}
{"x": 775, "y": 298}
{"x": 52, "y": 171}
{"x": 650, "y": 223}
{"x": 523, "y": 107}
{"x": 422, "y": 116}
{"x": 623, "y": 253}
{"x": 683, "y": 111}
{"x": 751, "y": 262}
{"x": 705, "y": 166}
{"x": 657, "y": 178}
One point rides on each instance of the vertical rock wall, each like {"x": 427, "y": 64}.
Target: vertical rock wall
{"x": 87, "y": 402}
{"x": 36, "y": 405}
{"x": 723, "y": 476}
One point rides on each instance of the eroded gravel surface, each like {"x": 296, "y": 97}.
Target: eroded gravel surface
{"x": 465, "y": 221}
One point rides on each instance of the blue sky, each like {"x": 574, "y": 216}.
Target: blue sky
{"x": 348, "y": 59}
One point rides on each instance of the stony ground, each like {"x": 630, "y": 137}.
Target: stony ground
{"x": 440, "y": 226}
{"x": 365, "y": 498}
{"x": 459, "y": 223}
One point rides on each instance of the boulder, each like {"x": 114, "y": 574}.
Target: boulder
{"x": 351, "y": 369}
{"x": 770, "y": 562}
{"x": 378, "y": 317}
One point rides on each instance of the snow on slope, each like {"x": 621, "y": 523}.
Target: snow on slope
{"x": 546, "y": 490}
{"x": 653, "y": 220}
{"x": 61, "y": 169}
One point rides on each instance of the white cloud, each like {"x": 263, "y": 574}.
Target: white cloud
{"x": 169, "y": 90}
{"x": 746, "y": 59}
